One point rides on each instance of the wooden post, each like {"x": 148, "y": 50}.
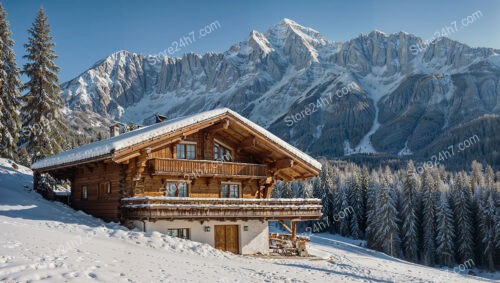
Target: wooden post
{"x": 294, "y": 230}
{"x": 36, "y": 178}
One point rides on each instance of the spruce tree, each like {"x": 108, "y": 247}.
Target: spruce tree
{"x": 387, "y": 218}
{"x": 410, "y": 207}
{"x": 445, "y": 247}
{"x": 488, "y": 219}
{"x": 477, "y": 179}
{"x": 365, "y": 183}
{"x": 345, "y": 228}
{"x": 463, "y": 218}
{"x": 42, "y": 110}
{"x": 429, "y": 218}
{"x": 371, "y": 213}
{"x": 10, "y": 85}
{"x": 356, "y": 198}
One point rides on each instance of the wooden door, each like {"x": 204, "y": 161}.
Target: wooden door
{"x": 226, "y": 238}
{"x": 220, "y": 237}
{"x": 232, "y": 239}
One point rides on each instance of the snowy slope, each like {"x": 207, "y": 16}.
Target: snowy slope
{"x": 48, "y": 241}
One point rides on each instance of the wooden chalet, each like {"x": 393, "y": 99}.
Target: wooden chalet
{"x": 206, "y": 177}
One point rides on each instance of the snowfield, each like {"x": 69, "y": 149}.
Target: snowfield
{"x": 48, "y": 241}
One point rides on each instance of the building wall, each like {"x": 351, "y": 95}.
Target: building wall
{"x": 98, "y": 203}
{"x": 255, "y": 240}
{"x": 199, "y": 187}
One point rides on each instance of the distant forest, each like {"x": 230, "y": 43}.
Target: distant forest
{"x": 433, "y": 217}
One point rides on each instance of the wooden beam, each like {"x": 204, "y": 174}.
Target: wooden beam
{"x": 294, "y": 230}
{"x": 223, "y": 125}
{"x": 285, "y": 226}
{"x": 248, "y": 142}
{"x": 283, "y": 163}
{"x": 287, "y": 177}
{"x": 126, "y": 157}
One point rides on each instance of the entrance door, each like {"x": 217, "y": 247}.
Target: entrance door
{"x": 226, "y": 238}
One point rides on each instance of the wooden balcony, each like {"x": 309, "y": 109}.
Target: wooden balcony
{"x": 140, "y": 208}
{"x": 205, "y": 168}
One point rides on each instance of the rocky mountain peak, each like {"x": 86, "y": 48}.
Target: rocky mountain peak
{"x": 380, "y": 82}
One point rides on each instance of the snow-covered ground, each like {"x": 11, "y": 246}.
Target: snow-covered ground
{"x": 48, "y": 241}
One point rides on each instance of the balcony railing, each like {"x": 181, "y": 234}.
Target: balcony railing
{"x": 220, "y": 208}
{"x": 201, "y": 168}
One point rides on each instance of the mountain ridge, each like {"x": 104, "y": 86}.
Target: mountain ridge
{"x": 401, "y": 100}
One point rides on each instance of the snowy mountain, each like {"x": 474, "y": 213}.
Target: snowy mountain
{"x": 386, "y": 93}
{"x": 48, "y": 241}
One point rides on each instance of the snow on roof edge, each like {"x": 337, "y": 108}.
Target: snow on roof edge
{"x": 300, "y": 154}
{"x": 107, "y": 146}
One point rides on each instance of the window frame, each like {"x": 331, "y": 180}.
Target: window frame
{"x": 176, "y": 183}
{"x": 220, "y": 148}
{"x": 185, "y": 152}
{"x": 84, "y": 192}
{"x": 230, "y": 185}
{"x": 180, "y": 233}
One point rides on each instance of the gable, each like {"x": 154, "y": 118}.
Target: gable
{"x": 223, "y": 123}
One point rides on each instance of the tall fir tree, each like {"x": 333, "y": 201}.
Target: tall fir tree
{"x": 410, "y": 230}
{"x": 371, "y": 212}
{"x": 356, "y": 198}
{"x": 345, "y": 223}
{"x": 429, "y": 218}
{"x": 445, "y": 235}
{"x": 488, "y": 219}
{"x": 365, "y": 183}
{"x": 387, "y": 218}
{"x": 463, "y": 218}
{"x": 42, "y": 109}
{"x": 10, "y": 85}
{"x": 477, "y": 179}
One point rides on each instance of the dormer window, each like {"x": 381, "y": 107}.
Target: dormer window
{"x": 186, "y": 151}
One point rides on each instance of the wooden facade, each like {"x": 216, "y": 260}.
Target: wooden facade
{"x": 218, "y": 168}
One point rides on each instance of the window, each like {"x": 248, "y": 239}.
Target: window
{"x": 230, "y": 191}
{"x": 221, "y": 153}
{"x": 182, "y": 233}
{"x": 182, "y": 189}
{"x": 186, "y": 151}
{"x": 85, "y": 193}
{"x": 176, "y": 189}
{"x": 104, "y": 190}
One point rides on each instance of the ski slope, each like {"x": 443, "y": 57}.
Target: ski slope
{"x": 50, "y": 242}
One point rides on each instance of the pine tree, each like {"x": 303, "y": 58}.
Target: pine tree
{"x": 409, "y": 214}
{"x": 488, "y": 219}
{"x": 463, "y": 218}
{"x": 429, "y": 218}
{"x": 286, "y": 190}
{"x": 345, "y": 229}
{"x": 356, "y": 198}
{"x": 477, "y": 179}
{"x": 42, "y": 111}
{"x": 365, "y": 182}
{"x": 324, "y": 189}
{"x": 387, "y": 232}
{"x": 371, "y": 213}
{"x": 10, "y": 85}
{"x": 445, "y": 232}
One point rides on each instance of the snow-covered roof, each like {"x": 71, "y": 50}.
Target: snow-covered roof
{"x": 105, "y": 148}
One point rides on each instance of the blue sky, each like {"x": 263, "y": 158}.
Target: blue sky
{"x": 88, "y": 30}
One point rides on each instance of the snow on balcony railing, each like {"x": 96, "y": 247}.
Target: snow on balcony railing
{"x": 177, "y": 207}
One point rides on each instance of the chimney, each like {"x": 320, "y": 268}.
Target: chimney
{"x": 114, "y": 130}
{"x": 160, "y": 118}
